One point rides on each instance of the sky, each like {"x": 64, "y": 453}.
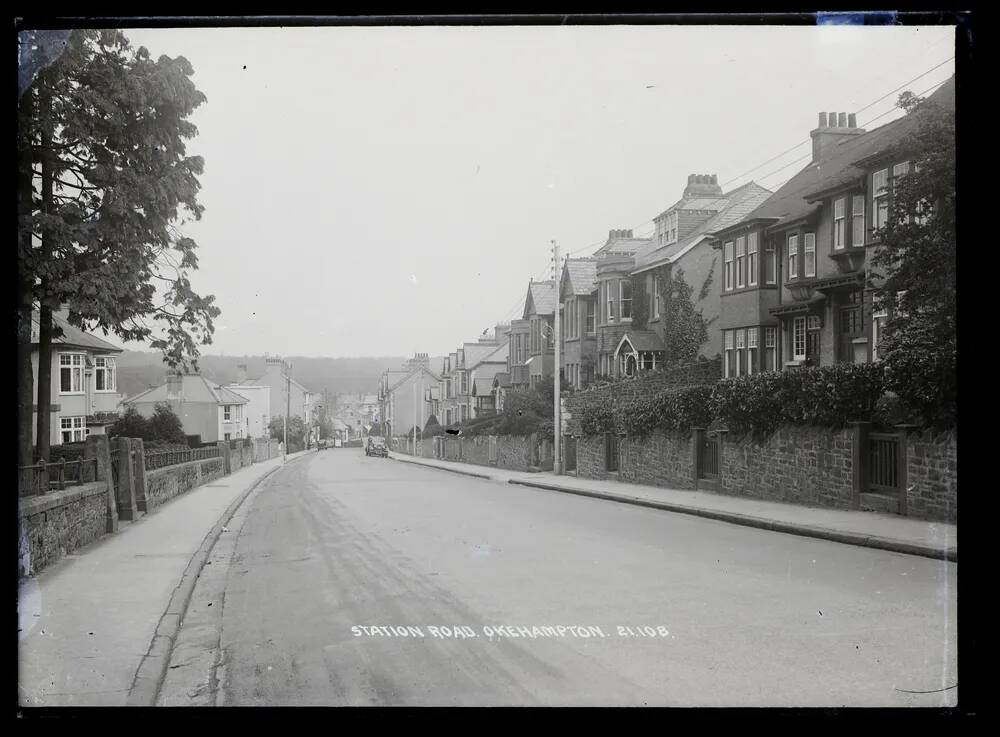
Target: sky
{"x": 379, "y": 191}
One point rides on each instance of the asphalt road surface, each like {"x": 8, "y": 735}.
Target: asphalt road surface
{"x": 719, "y": 615}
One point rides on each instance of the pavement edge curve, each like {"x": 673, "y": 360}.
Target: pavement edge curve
{"x": 440, "y": 468}
{"x": 848, "y": 538}
{"x": 152, "y": 670}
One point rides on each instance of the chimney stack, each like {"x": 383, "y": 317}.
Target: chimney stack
{"x": 834, "y": 129}
{"x": 703, "y": 185}
{"x": 241, "y": 373}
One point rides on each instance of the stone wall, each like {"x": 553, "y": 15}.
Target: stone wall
{"x": 932, "y": 476}
{"x": 804, "y": 465}
{"x": 166, "y": 483}
{"x": 659, "y": 459}
{"x": 59, "y": 522}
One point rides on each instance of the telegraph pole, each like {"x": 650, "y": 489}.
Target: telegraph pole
{"x": 288, "y": 407}
{"x": 414, "y": 418}
{"x": 557, "y": 430}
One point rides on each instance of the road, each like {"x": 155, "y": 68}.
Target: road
{"x": 337, "y": 541}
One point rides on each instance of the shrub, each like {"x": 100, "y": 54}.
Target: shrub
{"x": 131, "y": 424}
{"x": 432, "y": 428}
{"x": 166, "y": 426}
{"x": 598, "y": 418}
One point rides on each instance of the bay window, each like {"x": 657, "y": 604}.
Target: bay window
{"x": 227, "y": 413}
{"x": 771, "y": 348}
{"x": 799, "y": 339}
{"x": 73, "y": 429}
{"x": 71, "y": 373}
{"x": 880, "y": 198}
{"x": 611, "y": 302}
{"x": 752, "y": 259}
{"x": 740, "y": 346}
{"x": 625, "y": 286}
{"x": 591, "y": 315}
{"x": 728, "y": 337}
{"x": 104, "y": 374}
{"x": 770, "y": 263}
{"x": 752, "y": 364}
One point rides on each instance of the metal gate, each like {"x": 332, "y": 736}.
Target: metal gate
{"x": 883, "y": 463}
{"x": 708, "y": 457}
{"x": 611, "y": 448}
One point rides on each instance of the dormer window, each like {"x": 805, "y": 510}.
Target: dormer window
{"x": 670, "y": 228}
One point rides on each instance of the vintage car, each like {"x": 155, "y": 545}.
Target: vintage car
{"x": 376, "y": 447}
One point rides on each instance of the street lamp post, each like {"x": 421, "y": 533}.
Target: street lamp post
{"x": 557, "y": 424}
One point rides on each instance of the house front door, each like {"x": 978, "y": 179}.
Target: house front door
{"x": 849, "y": 326}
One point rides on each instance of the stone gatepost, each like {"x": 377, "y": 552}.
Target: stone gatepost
{"x": 859, "y": 461}
{"x": 902, "y": 452}
{"x": 140, "y": 475}
{"x": 127, "y": 508}
{"x": 227, "y": 460}
{"x": 98, "y": 447}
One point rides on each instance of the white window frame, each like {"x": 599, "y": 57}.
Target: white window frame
{"x": 857, "y": 219}
{"x": 227, "y": 413}
{"x": 656, "y": 296}
{"x": 880, "y": 198}
{"x": 740, "y": 347}
{"x": 73, "y": 429}
{"x": 75, "y": 362}
{"x": 809, "y": 249}
{"x": 751, "y": 346}
{"x": 671, "y": 228}
{"x": 878, "y": 320}
{"x": 591, "y": 317}
{"x": 752, "y": 259}
{"x": 741, "y": 257}
{"x": 839, "y": 223}
{"x": 727, "y": 336}
{"x": 771, "y": 344}
{"x": 729, "y": 266}
{"x": 621, "y": 298}
{"x": 104, "y": 366}
{"x": 793, "y": 256}
{"x": 771, "y": 255}
{"x": 799, "y": 339}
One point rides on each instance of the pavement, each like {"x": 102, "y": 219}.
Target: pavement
{"x": 87, "y": 623}
{"x": 867, "y": 529}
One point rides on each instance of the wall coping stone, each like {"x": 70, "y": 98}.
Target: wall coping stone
{"x": 157, "y": 472}
{"x": 28, "y": 506}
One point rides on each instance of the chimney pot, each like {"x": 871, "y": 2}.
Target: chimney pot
{"x": 842, "y": 120}
{"x": 715, "y": 179}
{"x": 852, "y": 120}
{"x": 822, "y": 120}
{"x": 690, "y": 178}
{"x": 833, "y": 120}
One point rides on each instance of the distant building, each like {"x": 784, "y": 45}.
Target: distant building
{"x": 204, "y": 408}
{"x": 257, "y": 411}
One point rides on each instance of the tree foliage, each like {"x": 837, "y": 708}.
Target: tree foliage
{"x": 915, "y": 267}
{"x": 296, "y": 432}
{"x": 165, "y": 425}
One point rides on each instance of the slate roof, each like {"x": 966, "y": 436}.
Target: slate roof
{"x": 481, "y": 387}
{"x": 71, "y": 336}
{"x": 740, "y": 201}
{"x": 542, "y": 296}
{"x": 644, "y": 340}
{"x": 582, "y": 275}
{"x": 623, "y": 245}
{"x": 838, "y": 168}
{"x": 195, "y": 389}
{"x": 502, "y": 379}
{"x": 492, "y": 356}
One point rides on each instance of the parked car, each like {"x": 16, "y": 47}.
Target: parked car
{"x": 376, "y": 447}
{"x": 322, "y": 444}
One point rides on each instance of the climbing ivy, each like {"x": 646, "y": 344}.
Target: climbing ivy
{"x": 640, "y": 302}
{"x": 684, "y": 328}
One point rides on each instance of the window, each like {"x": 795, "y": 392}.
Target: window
{"x": 227, "y": 413}
{"x": 799, "y": 339}
{"x": 611, "y": 302}
{"x": 465, "y": 383}
{"x": 741, "y": 257}
{"x": 878, "y": 326}
{"x": 626, "y": 296}
{"x": 656, "y": 296}
{"x": 73, "y": 429}
{"x": 70, "y": 373}
{"x": 857, "y": 220}
{"x": 729, "y": 366}
{"x": 810, "y": 254}
{"x": 880, "y": 198}
{"x": 813, "y": 322}
{"x": 901, "y": 170}
{"x": 104, "y": 374}
{"x": 729, "y": 265}
{"x": 838, "y": 222}
{"x": 770, "y": 263}
{"x": 793, "y": 256}
{"x": 752, "y": 350}
{"x": 740, "y": 346}
{"x": 670, "y": 227}
{"x": 227, "y": 436}
{"x": 752, "y": 259}
{"x": 591, "y": 310}
{"x": 771, "y": 348}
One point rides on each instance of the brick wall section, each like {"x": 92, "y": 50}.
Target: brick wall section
{"x": 590, "y": 458}
{"x": 166, "y": 483}
{"x": 58, "y": 523}
{"x": 693, "y": 374}
{"x": 803, "y": 465}
{"x": 932, "y": 476}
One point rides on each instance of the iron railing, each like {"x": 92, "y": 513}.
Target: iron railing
{"x": 43, "y": 477}
{"x": 883, "y": 460}
{"x": 611, "y": 449}
{"x": 166, "y": 458}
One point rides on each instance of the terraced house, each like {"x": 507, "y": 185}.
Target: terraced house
{"x": 795, "y": 288}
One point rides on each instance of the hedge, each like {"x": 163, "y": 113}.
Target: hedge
{"x": 829, "y": 396}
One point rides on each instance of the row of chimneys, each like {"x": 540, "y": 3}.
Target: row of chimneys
{"x": 703, "y": 178}
{"x": 834, "y": 129}
{"x": 619, "y": 233}
{"x": 838, "y": 120}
